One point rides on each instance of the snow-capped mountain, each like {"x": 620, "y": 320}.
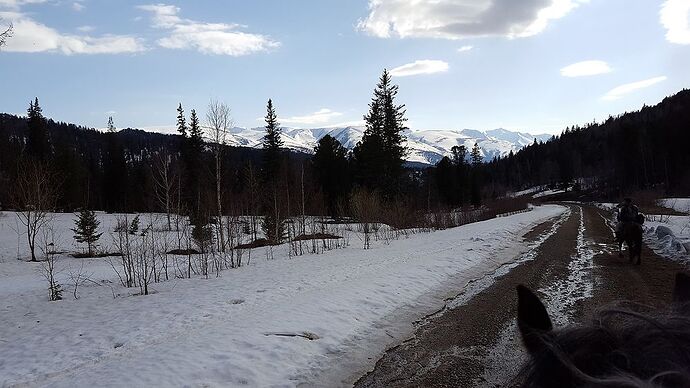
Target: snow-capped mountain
{"x": 425, "y": 146}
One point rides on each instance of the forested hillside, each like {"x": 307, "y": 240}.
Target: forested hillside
{"x": 645, "y": 149}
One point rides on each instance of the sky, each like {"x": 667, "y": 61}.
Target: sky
{"x": 532, "y": 65}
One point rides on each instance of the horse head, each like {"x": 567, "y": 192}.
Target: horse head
{"x": 620, "y": 347}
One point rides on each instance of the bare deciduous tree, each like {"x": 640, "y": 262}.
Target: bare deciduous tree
{"x": 164, "y": 180}
{"x": 7, "y": 33}
{"x": 219, "y": 122}
{"x": 47, "y": 246}
{"x": 34, "y": 197}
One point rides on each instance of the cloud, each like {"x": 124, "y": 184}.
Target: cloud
{"x": 16, "y": 4}
{"x": 31, "y": 36}
{"x": 586, "y": 68}
{"x": 77, "y": 6}
{"x": 620, "y": 91}
{"x": 675, "y": 17}
{"x": 458, "y": 19}
{"x": 86, "y": 28}
{"x": 207, "y": 38}
{"x": 320, "y": 117}
{"x": 465, "y": 48}
{"x": 420, "y": 67}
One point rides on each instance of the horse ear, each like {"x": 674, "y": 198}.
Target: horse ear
{"x": 533, "y": 319}
{"x": 681, "y": 291}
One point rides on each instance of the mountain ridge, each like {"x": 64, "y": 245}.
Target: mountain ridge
{"x": 426, "y": 147}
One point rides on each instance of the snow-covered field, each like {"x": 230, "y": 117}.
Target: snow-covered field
{"x": 678, "y": 204}
{"x": 313, "y": 319}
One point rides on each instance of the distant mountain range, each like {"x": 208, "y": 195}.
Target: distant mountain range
{"x": 426, "y": 147}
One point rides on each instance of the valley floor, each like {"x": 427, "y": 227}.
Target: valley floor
{"x": 311, "y": 320}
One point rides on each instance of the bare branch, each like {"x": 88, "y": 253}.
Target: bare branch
{"x": 6, "y": 34}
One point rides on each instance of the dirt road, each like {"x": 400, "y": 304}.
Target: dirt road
{"x": 474, "y": 342}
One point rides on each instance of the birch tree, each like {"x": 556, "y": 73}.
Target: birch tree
{"x": 219, "y": 122}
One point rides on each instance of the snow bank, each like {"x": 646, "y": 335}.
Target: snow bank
{"x": 678, "y": 204}
{"x": 274, "y": 323}
{"x": 669, "y": 236}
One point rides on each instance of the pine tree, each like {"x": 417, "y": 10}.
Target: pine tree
{"x": 195, "y": 134}
{"x": 476, "y": 155}
{"x": 181, "y": 122}
{"x": 475, "y": 182}
{"x": 195, "y": 150}
{"x": 273, "y": 227}
{"x": 111, "y": 125}
{"x": 86, "y": 229}
{"x": 272, "y": 144}
{"x": 37, "y": 141}
{"x": 331, "y": 169}
{"x": 459, "y": 155}
{"x": 380, "y": 155}
{"x": 115, "y": 174}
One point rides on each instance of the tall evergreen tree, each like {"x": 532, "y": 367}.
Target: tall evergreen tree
{"x": 114, "y": 172}
{"x": 196, "y": 135}
{"x": 331, "y": 169}
{"x": 86, "y": 229}
{"x": 272, "y": 144}
{"x": 476, "y": 155}
{"x": 111, "y": 125}
{"x": 181, "y": 122}
{"x": 475, "y": 179}
{"x": 37, "y": 141}
{"x": 379, "y": 157}
{"x": 195, "y": 150}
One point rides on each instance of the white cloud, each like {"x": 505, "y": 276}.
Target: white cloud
{"x": 31, "y": 36}
{"x": 208, "y": 38}
{"x": 675, "y": 17}
{"x": 77, "y": 6}
{"x": 465, "y": 48}
{"x": 586, "y": 68}
{"x": 320, "y": 117}
{"x": 457, "y": 19}
{"x": 420, "y": 67}
{"x": 15, "y": 4}
{"x": 620, "y": 91}
{"x": 86, "y": 28}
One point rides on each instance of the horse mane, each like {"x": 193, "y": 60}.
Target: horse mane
{"x": 624, "y": 345}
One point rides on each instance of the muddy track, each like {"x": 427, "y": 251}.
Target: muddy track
{"x": 474, "y": 342}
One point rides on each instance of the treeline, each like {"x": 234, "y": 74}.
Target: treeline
{"x": 195, "y": 173}
{"x": 641, "y": 150}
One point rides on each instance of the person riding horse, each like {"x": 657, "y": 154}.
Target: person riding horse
{"x": 627, "y": 214}
{"x": 629, "y": 230}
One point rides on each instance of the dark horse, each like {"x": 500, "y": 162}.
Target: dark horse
{"x": 620, "y": 347}
{"x": 631, "y": 235}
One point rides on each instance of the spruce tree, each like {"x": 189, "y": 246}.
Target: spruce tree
{"x": 273, "y": 227}
{"x": 380, "y": 155}
{"x": 475, "y": 192}
{"x": 476, "y": 155}
{"x": 37, "y": 140}
{"x": 195, "y": 134}
{"x": 272, "y": 144}
{"x": 194, "y": 149}
{"x": 86, "y": 229}
{"x": 331, "y": 169}
{"x": 111, "y": 125}
{"x": 181, "y": 122}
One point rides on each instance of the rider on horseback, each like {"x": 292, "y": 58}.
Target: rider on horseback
{"x": 627, "y": 213}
